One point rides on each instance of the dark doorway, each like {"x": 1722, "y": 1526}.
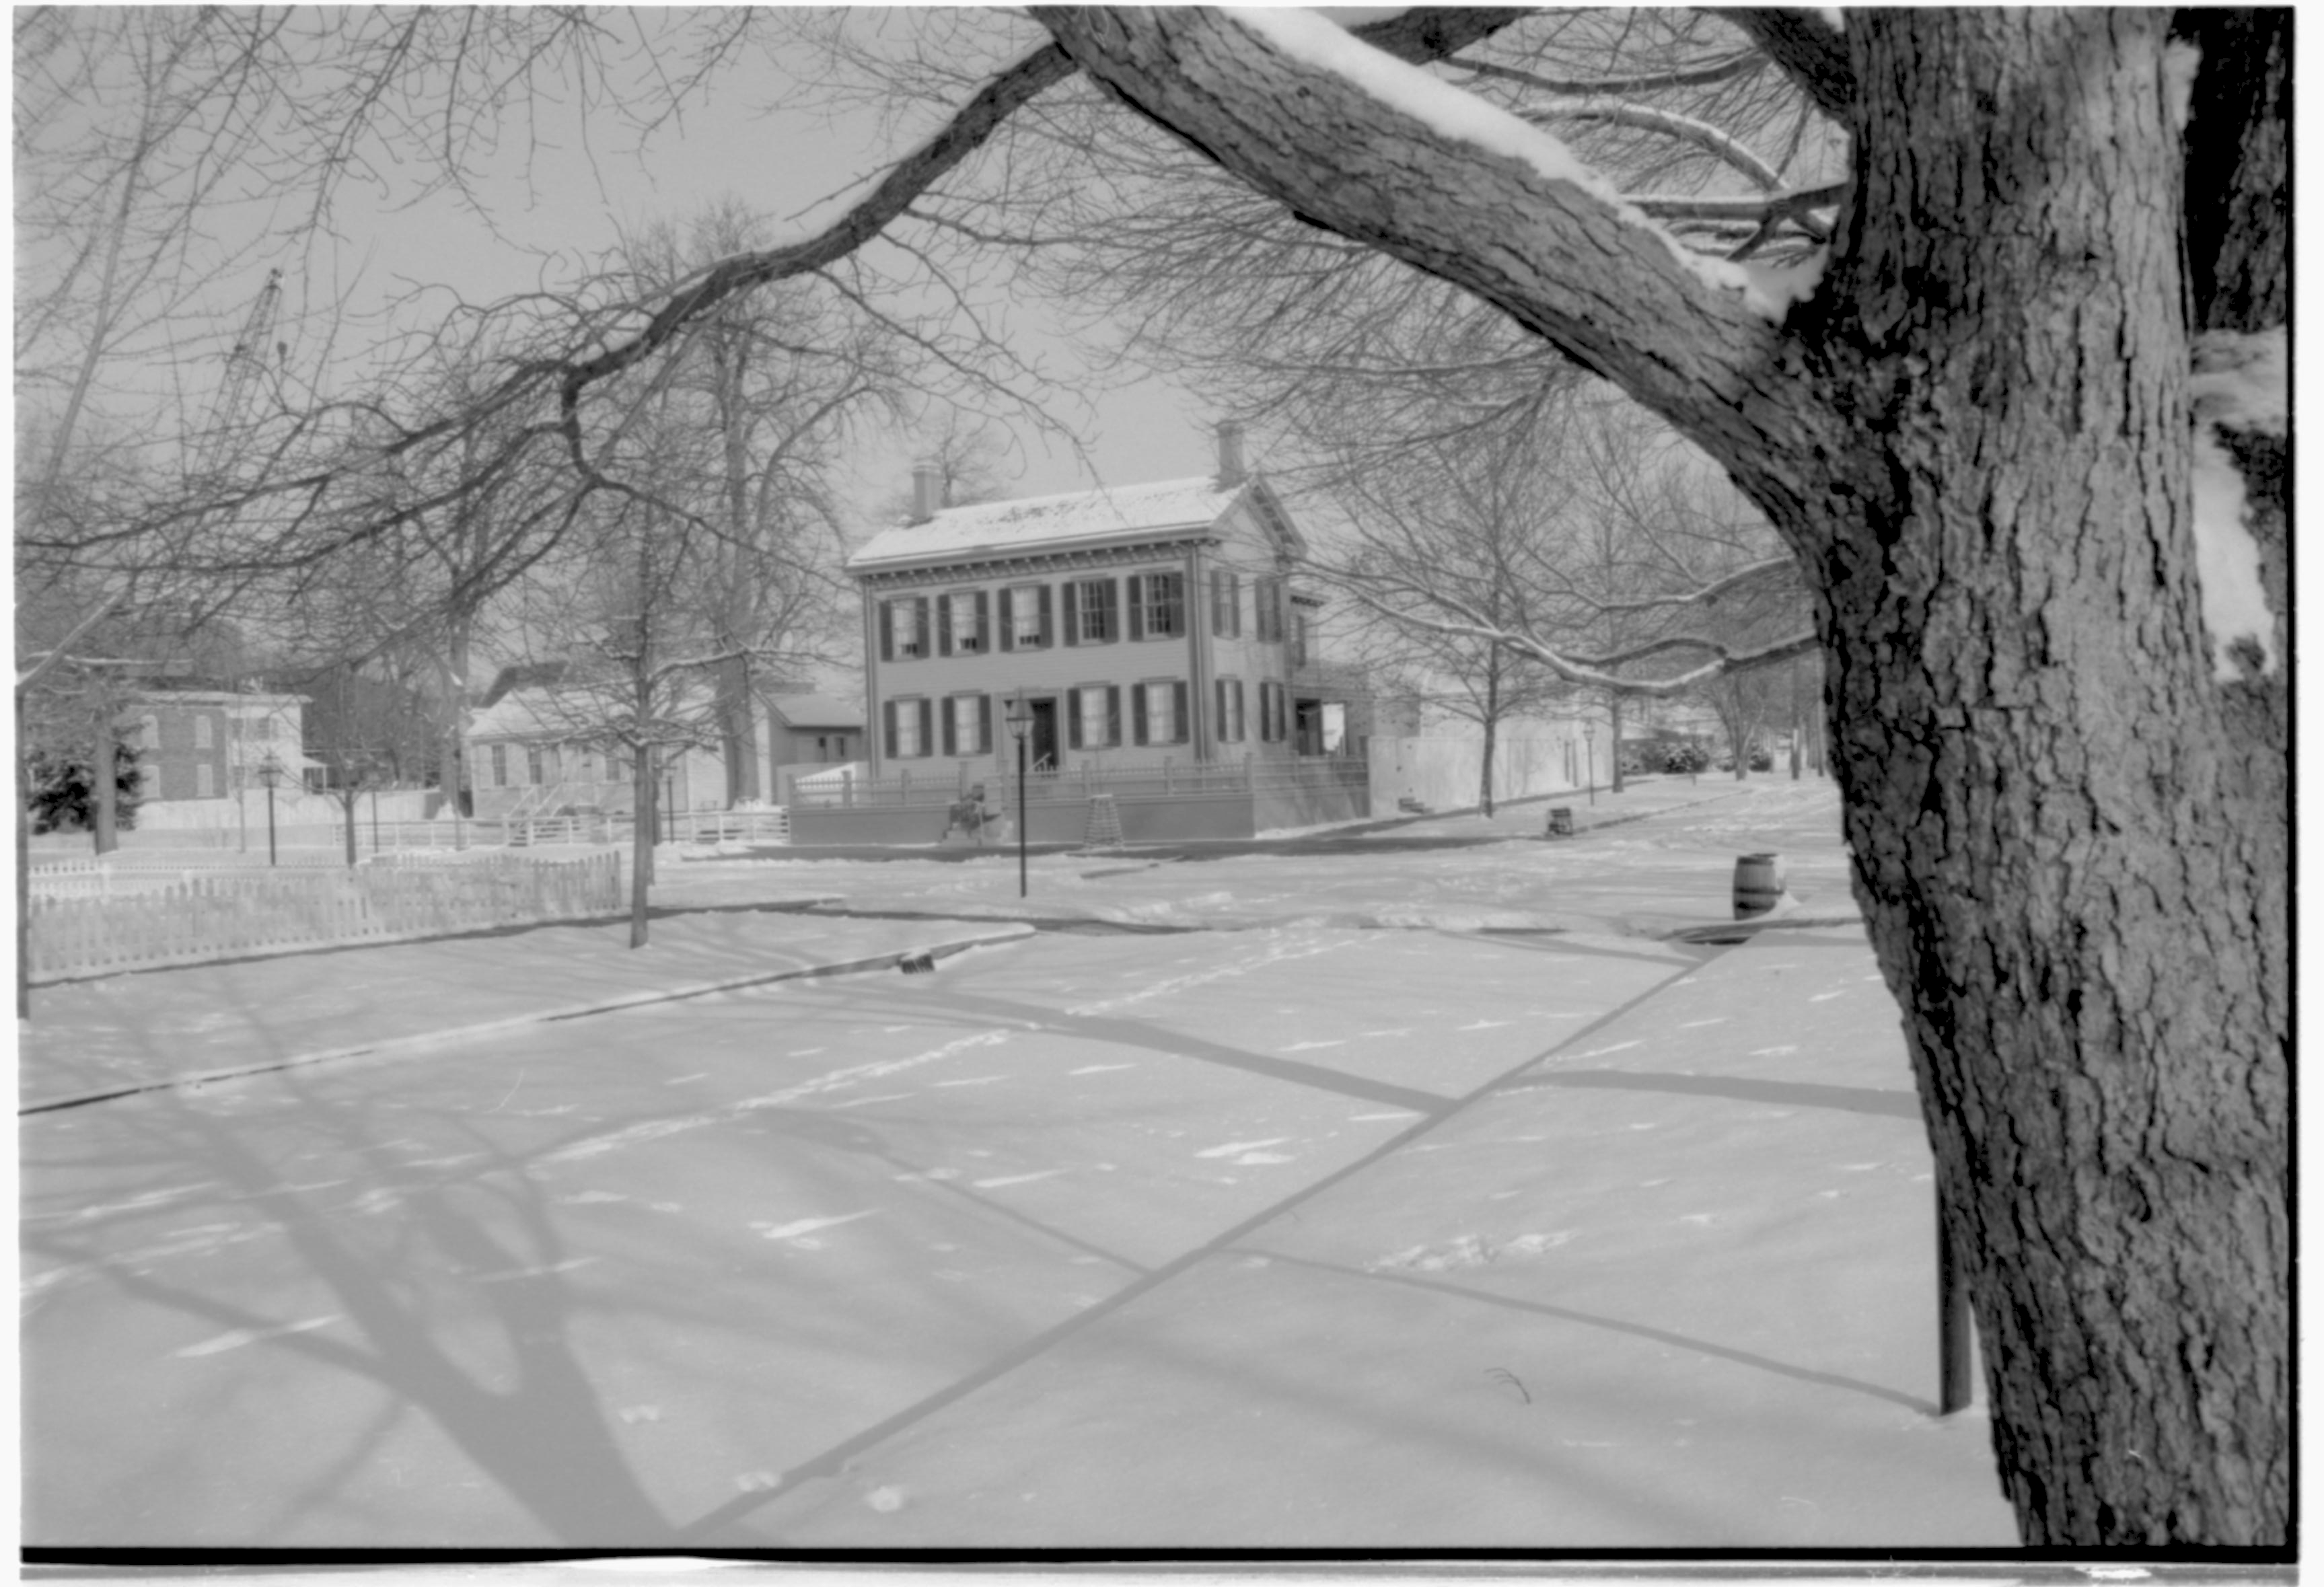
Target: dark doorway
{"x": 1041, "y": 743}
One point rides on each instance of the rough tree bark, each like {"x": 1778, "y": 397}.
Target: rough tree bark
{"x": 2069, "y": 836}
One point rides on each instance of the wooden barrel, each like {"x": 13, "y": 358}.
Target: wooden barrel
{"x": 1758, "y": 884}
{"x": 1561, "y": 823}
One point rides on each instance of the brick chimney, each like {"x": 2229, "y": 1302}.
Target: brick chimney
{"x": 927, "y": 489}
{"x": 1230, "y": 471}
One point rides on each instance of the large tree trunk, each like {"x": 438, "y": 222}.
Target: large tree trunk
{"x": 2070, "y": 842}
{"x": 2069, "y": 836}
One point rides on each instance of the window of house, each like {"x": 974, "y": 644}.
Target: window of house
{"x": 201, "y": 733}
{"x": 204, "y": 781}
{"x": 1231, "y": 725}
{"x": 263, "y": 729}
{"x": 1092, "y": 614}
{"x": 1267, "y": 610}
{"x": 968, "y": 724}
{"x": 1025, "y": 617}
{"x": 904, "y": 628}
{"x": 585, "y": 765}
{"x": 500, "y": 765}
{"x": 1159, "y": 713}
{"x": 906, "y": 724}
{"x": 961, "y": 623}
{"x": 1093, "y": 717}
{"x": 617, "y": 764}
{"x": 1274, "y": 712}
{"x": 1226, "y": 604}
{"x": 149, "y": 732}
{"x": 532, "y": 764}
{"x": 1300, "y": 638}
{"x": 1157, "y": 606}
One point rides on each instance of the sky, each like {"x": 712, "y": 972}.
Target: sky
{"x": 801, "y": 167}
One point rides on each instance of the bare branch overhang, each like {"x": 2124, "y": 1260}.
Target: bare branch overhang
{"x": 1811, "y": 51}
{"x": 1604, "y": 289}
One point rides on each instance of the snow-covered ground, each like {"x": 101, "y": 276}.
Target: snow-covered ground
{"x": 1288, "y": 1230}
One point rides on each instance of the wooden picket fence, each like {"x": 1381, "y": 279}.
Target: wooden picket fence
{"x": 224, "y": 915}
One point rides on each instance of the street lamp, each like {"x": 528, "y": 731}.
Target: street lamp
{"x": 1589, "y": 748}
{"x": 269, "y": 772}
{"x": 1019, "y": 718}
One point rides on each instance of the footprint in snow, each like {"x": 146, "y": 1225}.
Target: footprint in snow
{"x": 1233, "y": 1148}
{"x": 1014, "y": 1179}
{"x": 800, "y": 1227}
{"x": 1262, "y": 1158}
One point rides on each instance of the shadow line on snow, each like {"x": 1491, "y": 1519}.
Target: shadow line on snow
{"x": 1851, "y": 1099}
{"x": 1138, "y": 1033}
{"x": 1617, "y": 1325}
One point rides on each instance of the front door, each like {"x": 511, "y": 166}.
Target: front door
{"x": 1042, "y": 741}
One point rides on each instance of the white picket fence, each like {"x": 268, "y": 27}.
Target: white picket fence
{"x": 225, "y": 912}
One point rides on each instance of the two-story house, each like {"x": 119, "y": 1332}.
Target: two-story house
{"x": 197, "y": 740}
{"x": 1134, "y": 624}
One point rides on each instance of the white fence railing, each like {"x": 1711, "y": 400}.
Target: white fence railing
{"x": 1164, "y": 778}
{"x": 229, "y": 911}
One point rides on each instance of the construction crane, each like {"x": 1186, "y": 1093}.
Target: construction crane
{"x": 242, "y": 367}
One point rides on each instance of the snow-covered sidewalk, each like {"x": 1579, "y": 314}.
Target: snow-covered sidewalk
{"x": 1671, "y": 1286}
{"x": 122, "y": 1032}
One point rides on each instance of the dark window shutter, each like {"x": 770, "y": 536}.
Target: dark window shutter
{"x": 944, "y": 625}
{"x": 888, "y": 727}
{"x": 983, "y": 621}
{"x": 1225, "y": 722}
{"x": 1137, "y": 606}
{"x": 1108, "y": 597}
{"x": 927, "y": 715}
{"x": 1008, "y": 619}
{"x": 951, "y": 737}
{"x": 887, "y": 631}
{"x": 1073, "y": 710}
{"x": 1072, "y": 624}
{"x": 920, "y": 627}
{"x": 1137, "y": 713}
{"x": 984, "y": 724}
{"x": 1113, "y": 714}
{"x": 1178, "y": 715}
{"x": 1047, "y": 637}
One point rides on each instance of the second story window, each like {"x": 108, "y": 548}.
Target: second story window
{"x": 1226, "y": 604}
{"x": 1091, "y": 617}
{"x": 532, "y": 764}
{"x": 500, "y": 765}
{"x": 904, "y": 628}
{"x": 1157, "y": 606}
{"x": 1025, "y": 617}
{"x": 1300, "y": 653}
{"x": 1268, "y": 614}
{"x": 201, "y": 733}
{"x": 961, "y": 624}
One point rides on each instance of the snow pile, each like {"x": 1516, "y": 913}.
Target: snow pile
{"x": 2240, "y": 381}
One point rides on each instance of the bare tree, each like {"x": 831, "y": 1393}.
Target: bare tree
{"x": 2051, "y": 315}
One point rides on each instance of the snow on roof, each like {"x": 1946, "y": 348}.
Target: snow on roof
{"x": 811, "y": 710}
{"x": 997, "y": 527}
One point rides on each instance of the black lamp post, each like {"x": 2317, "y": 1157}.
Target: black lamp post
{"x": 1590, "y": 748}
{"x": 269, "y": 772}
{"x": 1021, "y": 721}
